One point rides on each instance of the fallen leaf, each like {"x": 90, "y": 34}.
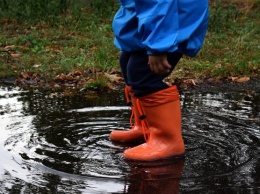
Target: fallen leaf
{"x": 93, "y": 48}
{"x": 234, "y": 78}
{"x": 14, "y": 67}
{"x": 219, "y": 65}
{"x": 190, "y": 82}
{"x": 242, "y": 79}
{"x": 113, "y": 77}
{"x": 9, "y": 47}
{"x": 36, "y": 65}
{"x": 76, "y": 72}
{"x": 27, "y": 75}
{"x": 15, "y": 55}
{"x": 6, "y": 21}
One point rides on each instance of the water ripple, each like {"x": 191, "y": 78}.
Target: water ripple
{"x": 65, "y": 144}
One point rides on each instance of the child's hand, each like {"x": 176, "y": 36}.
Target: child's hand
{"x": 159, "y": 64}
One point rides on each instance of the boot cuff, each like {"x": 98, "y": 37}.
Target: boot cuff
{"x": 161, "y": 97}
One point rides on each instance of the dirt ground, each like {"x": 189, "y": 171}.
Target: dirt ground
{"x": 253, "y": 85}
{"x": 207, "y": 85}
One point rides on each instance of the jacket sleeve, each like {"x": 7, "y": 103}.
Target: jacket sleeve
{"x": 158, "y": 24}
{"x": 172, "y": 25}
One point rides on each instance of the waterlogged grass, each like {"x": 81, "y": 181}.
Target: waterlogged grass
{"x": 84, "y": 42}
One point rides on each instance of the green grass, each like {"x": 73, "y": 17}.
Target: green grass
{"x": 83, "y": 40}
{"x": 232, "y": 45}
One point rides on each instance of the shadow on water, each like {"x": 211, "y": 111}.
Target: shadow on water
{"x": 60, "y": 144}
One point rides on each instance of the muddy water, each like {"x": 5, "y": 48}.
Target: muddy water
{"x": 52, "y": 143}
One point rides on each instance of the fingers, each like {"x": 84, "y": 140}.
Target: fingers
{"x": 159, "y": 68}
{"x": 159, "y": 64}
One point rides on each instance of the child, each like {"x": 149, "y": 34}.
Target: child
{"x": 153, "y": 35}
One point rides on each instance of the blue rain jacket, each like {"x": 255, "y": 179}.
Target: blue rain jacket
{"x": 161, "y": 25}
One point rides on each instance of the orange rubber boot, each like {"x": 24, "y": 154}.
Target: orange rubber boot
{"x": 162, "y": 117}
{"x": 135, "y": 133}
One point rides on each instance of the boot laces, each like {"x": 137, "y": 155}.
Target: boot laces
{"x": 130, "y": 104}
{"x": 145, "y": 127}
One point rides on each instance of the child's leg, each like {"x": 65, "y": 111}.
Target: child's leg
{"x": 123, "y": 61}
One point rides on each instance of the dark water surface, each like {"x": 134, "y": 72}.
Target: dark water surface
{"x": 60, "y": 144}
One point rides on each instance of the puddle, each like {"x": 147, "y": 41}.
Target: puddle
{"x": 60, "y": 144}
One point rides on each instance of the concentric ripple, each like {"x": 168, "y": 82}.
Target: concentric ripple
{"x": 222, "y": 134}
{"x": 52, "y": 143}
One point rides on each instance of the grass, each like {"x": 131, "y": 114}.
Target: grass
{"x": 83, "y": 42}
{"x": 232, "y": 45}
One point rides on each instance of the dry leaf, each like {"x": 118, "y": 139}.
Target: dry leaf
{"x": 15, "y": 55}
{"x": 242, "y": 79}
{"x": 219, "y": 65}
{"x": 27, "y": 75}
{"x": 190, "y": 82}
{"x": 113, "y": 77}
{"x": 14, "y": 67}
{"x": 233, "y": 78}
{"x": 36, "y": 65}
{"x": 93, "y": 48}
{"x": 9, "y": 47}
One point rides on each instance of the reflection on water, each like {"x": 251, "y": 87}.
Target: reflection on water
{"x": 60, "y": 144}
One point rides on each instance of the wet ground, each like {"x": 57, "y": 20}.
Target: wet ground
{"x": 51, "y": 143}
